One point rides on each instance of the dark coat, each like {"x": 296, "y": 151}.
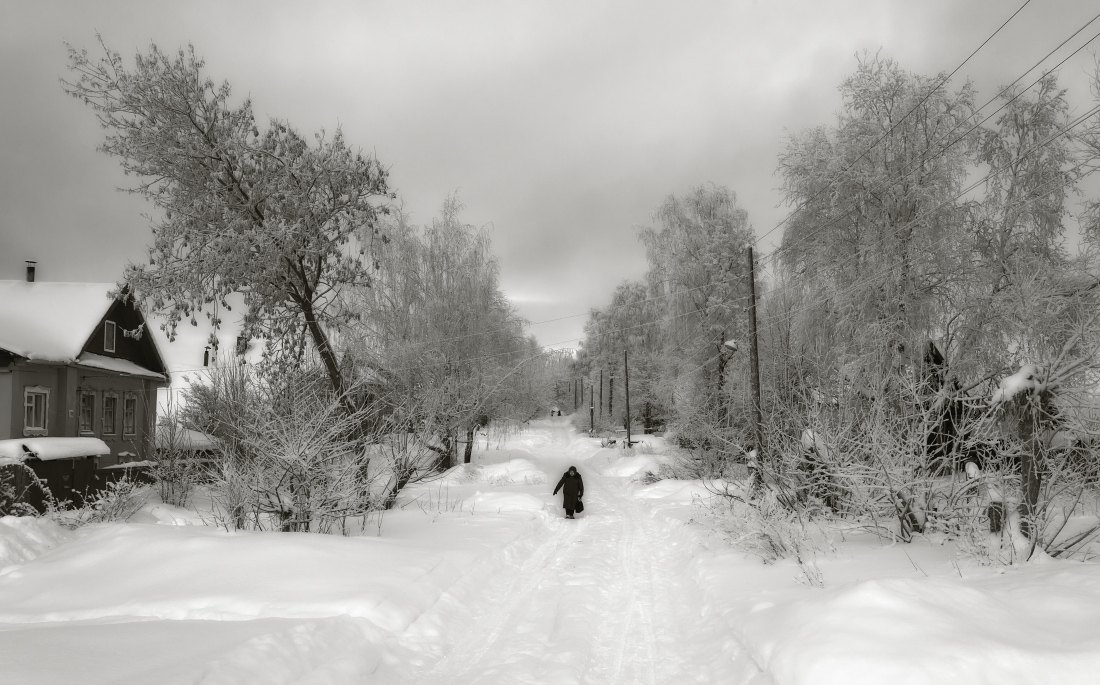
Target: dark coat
{"x": 572, "y": 488}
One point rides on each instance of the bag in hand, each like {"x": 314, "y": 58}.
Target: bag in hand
{"x": 580, "y": 505}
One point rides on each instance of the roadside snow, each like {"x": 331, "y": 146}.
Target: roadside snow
{"x": 505, "y": 473}
{"x": 633, "y": 466}
{"x": 503, "y": 501}
{"x": 23, "y": 538}
{"x": 682, "y": 491}
{"x": 1030, "y": 625}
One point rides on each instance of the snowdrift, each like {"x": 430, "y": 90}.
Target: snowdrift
{"x": 513, "y": 471}
{"x": 503, "y": 501}
{"x": 23, "y": 538}
{"x": 199, "y": 573}
{"x": 681, "y": 491}
{"x": 1030, "y": 625}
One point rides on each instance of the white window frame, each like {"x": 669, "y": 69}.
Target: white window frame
{"x": 80, "y": 412}
{"x": 30, "y": 391}
{"x": 110, "y": 326}
{"x": 127, "y": 397}
{"x": 103, "y": 414}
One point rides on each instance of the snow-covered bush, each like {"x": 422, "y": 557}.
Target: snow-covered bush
{"x": 118, "y": 501}
{"x": 769, "y": 530}
{"x": 177, "y": 469}
{"x": 9, "y": 496}
{"x": 500, "y": 430}
{"x": 292, "y": 457}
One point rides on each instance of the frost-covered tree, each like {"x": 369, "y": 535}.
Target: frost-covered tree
{"x": 698, "y": 275}
{"x": 449, "y": 345}
{"x": 266, "y": 213}
{"x": 875, "y": 218}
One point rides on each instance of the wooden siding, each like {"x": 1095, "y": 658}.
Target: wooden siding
{"x": 138, "y": 351}
{"x": 65, "y": 384}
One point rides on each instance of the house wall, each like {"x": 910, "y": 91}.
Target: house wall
{"x": 65, "y": 384}
{"x": 5, "y": 404}
{"x": 101, "y": 382}
{"x": 24, "y": 375}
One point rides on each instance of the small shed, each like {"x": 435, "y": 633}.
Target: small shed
{"x": 63, "y": 467}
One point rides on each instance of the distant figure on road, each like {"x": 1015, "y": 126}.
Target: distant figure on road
{"x": 573, "y": 486}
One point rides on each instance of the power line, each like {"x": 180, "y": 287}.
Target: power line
{"x": 899, "y": 122}
{"x": 906, "y": 172}
{"x": 891, "y": 266}
{"x": 866, "y": 279}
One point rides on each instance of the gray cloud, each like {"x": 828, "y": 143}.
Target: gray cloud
{"x": 561, "y": 124}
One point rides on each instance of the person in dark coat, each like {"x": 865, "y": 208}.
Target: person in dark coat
{"x": 572, "y": 487}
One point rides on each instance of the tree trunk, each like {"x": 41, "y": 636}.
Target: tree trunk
{"x": 328, "y": 357}
{"x": 1032, "y": 481}
{"x": 469, "y": 446}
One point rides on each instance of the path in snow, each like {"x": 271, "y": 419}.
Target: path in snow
{"x": 606, "y": 599}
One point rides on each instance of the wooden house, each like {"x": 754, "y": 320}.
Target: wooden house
{"x": 75, "y": 362}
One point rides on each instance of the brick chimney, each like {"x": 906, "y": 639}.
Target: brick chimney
{"x": 30, "y": 270}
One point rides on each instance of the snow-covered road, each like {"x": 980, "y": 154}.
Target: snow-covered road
{"x": 605, "y": 599}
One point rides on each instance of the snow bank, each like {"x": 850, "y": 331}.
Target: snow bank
{"x": 194, "y": 572}
{"x": 686, "y": 491}
{"x": 330, "y": 650}
{"x": 633, "y": 467}
{"x": 23, "y": 538}
{"x": 1032, "y": 625}
{"x": 503, "y": 501}
{"x": 513, "y": 471}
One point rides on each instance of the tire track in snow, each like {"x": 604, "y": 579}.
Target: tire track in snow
{"x": 470, "y": 650}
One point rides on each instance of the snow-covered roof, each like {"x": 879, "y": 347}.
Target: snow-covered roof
{"x": 183, "y": 438}
{"x": 98, "y": 361}
{"x": 132, "y": 465}
{"x": 50, "y": 321}
{"x": 48, "y": 449}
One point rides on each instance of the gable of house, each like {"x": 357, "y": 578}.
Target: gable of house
{"x": 75, "y": 323}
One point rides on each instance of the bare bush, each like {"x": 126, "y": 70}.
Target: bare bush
{"x": 118, "y": 501}
{"x": 771, "y": 531}
{"x": 290, "y": 456}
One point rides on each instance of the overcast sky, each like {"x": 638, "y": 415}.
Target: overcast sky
{"x": 560, "y": 124}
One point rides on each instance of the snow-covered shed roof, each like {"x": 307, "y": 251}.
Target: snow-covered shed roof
{"x": 48, "y": 449}
{"x": 50, "y": 321}
{"x": 184, "y": 439}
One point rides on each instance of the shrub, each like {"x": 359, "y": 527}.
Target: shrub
{"x": 116, "y": 502}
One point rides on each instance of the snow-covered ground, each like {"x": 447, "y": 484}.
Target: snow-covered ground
{"x": 476, "y": 578}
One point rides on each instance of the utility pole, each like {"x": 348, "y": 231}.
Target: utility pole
{"x": 576, "y": 402}
{"x": 601, "y": 394}
{"x": 626, "y": 376}
{"x": 755, "y": 360}
{"x": 591, "y": 411}
{"x": 611, "y": 397}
